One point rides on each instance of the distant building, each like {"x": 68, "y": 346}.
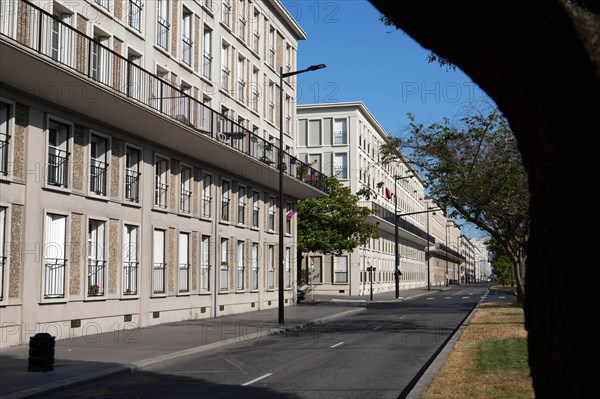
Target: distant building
{"x": 484, "y": 267}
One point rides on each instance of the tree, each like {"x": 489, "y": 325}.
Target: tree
{"x": 334, "y": 224}
{"x": 474, "y": 167}
{"x": 502, "y": 266}
{"x": 540, "y": 62}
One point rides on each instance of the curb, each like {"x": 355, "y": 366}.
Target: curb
{"x": 53, "y": 387}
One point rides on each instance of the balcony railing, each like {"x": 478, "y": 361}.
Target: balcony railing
{"x": 126, "y": 79}
{"x": 158, "y": 278}
{"x": 54, "y": 278}
{"x": 130, "y": 277}
{"x": 98, "y": 177}
{"x": 403, "y": 224}
{"x": 185, "y": 200}
{"x": 184, "y": 277}
{"x": 132, "y": 185}
{"x": 4, "y": 154}
{"x": 160, "y": 194}
{"x": 96, "y": 269}
{"x": 58, "y": 168}
{"x": 206, "y": 206}
{"x": 2, "y": 263}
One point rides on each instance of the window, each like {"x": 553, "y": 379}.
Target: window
{"x": 96, "y": 259}
{"x": 135, "y": 14}
{"x": 288, "y": 115}
{"x": 255, "y": 208}
{"x": 271, "y": 268}
{"x": 226, "y": 15}
{"x": 186, "y": 189}
{"x": 159, "y": 265}
{"x": 241, "y": 9}
{"x": 132, "y": 174}
{"x": 186, "y": 37}
{"x": 98, "y": 164}
{"x": 225, "y": 199}
{"x": 100, "y": 59}
{"x": 340, "y": 132}
{"x": 184, "y": 262}
{"x": 341, "y": 269}
{"x": 288, "y": 217}
{"x": 288, "y": 58}
{"x": 241, "y": 217}
{"x": 130, "y": 259}
{"x": 225, "y": 69}
{"x": 54, "y": 256}
{"x": 4, "y": 137}
{"x": 240, "y": 265}
{"x": 340, "y": 166}
{"x": 255, "y": 89}
{"x": 161, "y": 189}
{"x": 254, "y": 264}
{"x": 60, "y": 47}
{"x": 271, "y": 55}
{"x": 162, "y": 24}
{"x": 256, "y": 31}
{"x": 207, "y": 54}
{"x": 134, "y": 77}
{"x": 288, "y": 267}
{"x": 206, "y": 195}
{"x": 271, "y": 103}
{"x": 241, "y": 85}
{"x": 3, "y": 245}
{"x": 271, "y": 221}
{"x": 184, "y": 114}
{"x": 224, "y": 269}
{"x": 205, "y": 264}
{"x": 58, "y": 154}
{"x": 102, "y": 3}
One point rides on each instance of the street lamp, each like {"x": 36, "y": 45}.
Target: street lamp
{"x": 397, "y": 272}
{"x": 281, "y": 216}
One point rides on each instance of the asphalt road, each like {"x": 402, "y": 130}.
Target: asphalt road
{"x": 378, "y": 353}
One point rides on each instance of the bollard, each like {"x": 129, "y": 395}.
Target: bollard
{"x": 41, "y": 353}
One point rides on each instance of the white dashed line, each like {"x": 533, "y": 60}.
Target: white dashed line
{"x": 377, "y": 328}
{"x": 257, "y": 379}
{"x": 430, "y": 298}
{"x": 465, "y": 297}
{"x": 501, "y": 297}
{"x": 447, "y": 297}
{"x": 401, "y": 317}
{"x": 336, "y": 345}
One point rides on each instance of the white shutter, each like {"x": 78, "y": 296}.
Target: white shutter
{"x": 54, "y": 247}
{"x": 183, "y": 248}
{"x": 159, "y": 246}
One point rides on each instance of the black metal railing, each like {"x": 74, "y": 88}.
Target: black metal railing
{"x": 58, "y": 167}
{"x": 2, "y": 263}
{"x": 205, "y": 276}
{"x": 206, "y": 206}
{"x": 161, "y": 194}
{"x": 98, "y": 177}
{"x": 158, "y": 278}
{"x": 185, "y": 201}
{"x": 132, "y": 185}
{"x": 95, "y": 280}
{"x": 403, "y": 224}
{"x": 130, "y": 278}
{"x": 4, "y": 154}
{"x": 225, "y": 208}
{"x": 255, "y": 216}
{"x": 184, "y": 277}
{"x": 123, "y": 77}
{"x": 186, "y": 49}
{"x": 54, "y": 278}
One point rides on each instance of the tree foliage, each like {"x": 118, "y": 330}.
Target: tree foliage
{"x": 474, "y": 167}
{"x": 502, "y": 267}
{"x": 334, "y": 224}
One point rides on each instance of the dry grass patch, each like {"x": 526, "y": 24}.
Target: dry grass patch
{"x": 490, "y": 358}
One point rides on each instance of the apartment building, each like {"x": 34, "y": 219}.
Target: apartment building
{"x": 469, "y": 267}
{"x": 482, "y": 259}
{"x": 138, "y": 162}
{"x": 343, "y": 140}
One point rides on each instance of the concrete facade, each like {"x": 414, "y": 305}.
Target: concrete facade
{"x": 139, "y": 144}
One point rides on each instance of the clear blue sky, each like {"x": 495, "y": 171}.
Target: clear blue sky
{"x": 369, "y": 62}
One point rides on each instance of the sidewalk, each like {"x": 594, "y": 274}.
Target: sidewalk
{"x": 83, "y": 359}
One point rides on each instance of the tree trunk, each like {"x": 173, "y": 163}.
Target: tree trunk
{"x": 540, "y": 63}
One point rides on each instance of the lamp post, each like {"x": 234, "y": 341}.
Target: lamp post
{"x": 397, "y": 272}
{"x": 281, "y": 215}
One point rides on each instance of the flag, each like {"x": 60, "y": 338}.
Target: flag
{"x": 290, "y": 215}
{"x": 388, "y": 193}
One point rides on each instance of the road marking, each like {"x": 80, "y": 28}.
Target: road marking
{"x": 465, "y": 297}
{"x": 448, "y": 297}
{"x": 430, "y": 298}
{"x": 377, "y": 328}
{"x": 257, "y": 379}
{"x": 401, "y": 317}
{"x": 501, "y": 297}
{"x": 336, "y": 345}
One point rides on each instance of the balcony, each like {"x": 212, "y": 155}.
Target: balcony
{"x": 136, "y": 100}
{"x": 406, "y": 229}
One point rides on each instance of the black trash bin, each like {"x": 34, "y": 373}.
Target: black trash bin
{"x": 41, "y": 353}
